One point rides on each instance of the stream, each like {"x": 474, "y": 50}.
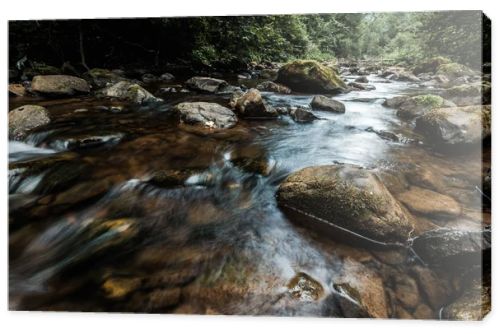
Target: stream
{"x": 114, "y": 207}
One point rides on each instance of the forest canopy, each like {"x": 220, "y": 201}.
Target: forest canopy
{"x": 233, "y": 41}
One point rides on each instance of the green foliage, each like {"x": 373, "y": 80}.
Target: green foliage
{"x": 429, "y": 101}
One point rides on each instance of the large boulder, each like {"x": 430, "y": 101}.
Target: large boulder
{"x": 309, "y": 76}
{"x": 59, "y": 85}
{"x": 251, "y": 105}
{"x": 127, "y": 91}
{"x": 206, "y": 114}
{"x": 321, "y": 102}
{"x": 206, "y": 84}
{"x": 454, "y": 70}
{"x": 430, "y": 65}
{"x": 269, "y": 86}
{"x": 451, "y": 248}
{"x": 337, "y": 198}
{"x": 419, "y": 105}
{"x": 26, "y": 118}
{"x": 455, "y": 126}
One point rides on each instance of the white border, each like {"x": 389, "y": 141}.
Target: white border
{"x": 38, "y": 322}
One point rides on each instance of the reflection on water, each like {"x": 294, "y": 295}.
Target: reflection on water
{"x": 122, "y": 211}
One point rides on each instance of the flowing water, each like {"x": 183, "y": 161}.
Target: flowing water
{"x": 115, "y": 208}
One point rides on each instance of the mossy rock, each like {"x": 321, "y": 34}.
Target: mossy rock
{"x": 419, "y": 105}
{"x": 430, "y": 65}
{"x": 454, "y": 70}
{"x": 309, "y": 76}
{"x": 40, "y": 69}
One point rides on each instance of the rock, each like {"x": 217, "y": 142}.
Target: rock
{"x": 269, "y": 86}
{"x": 321, "y": 102}
{"x": 130, "y": 92}
{"x": 387, "y": 135}
{"x": 423, "y": 312}
{"x": 399, "y": 74}
{"x": 435, "y": 290}
{"x": 252, "y": 159}
{"x": 167, "y": 77}
{"x": 309, "y": 76}
{"x": 346, "y": 196}
{"x": 206, "y": 84}
{"x": 268, "y": 74}
{"x": 99, "y": 77}
{"x": 469, "y": 94}
{"x": 301, "y": 115}
{"x": 25, "y": 119}
{"x": 17, "y": 90}
{"x": 361, "y": 86}
{"x": 59, "y": 85}
{"x": 118, "y": 287}
{"x": 430, "y": 65}
{"x": 155, "y": 301}
{"x": 455, "y": 126}
{"x": 395, "y": 102}
{"x": 361, "y": 79}
{"x": 429, "y": 203}
{"x": 473, "y": 304}
{"x": 419, "y": 105}
{"x": 363, "y": 289}
{"x": 251, "y": 105}
{"x": 453, "y": 249}
{"x": 170, "y": 177}
{"x": 205, "y": 114}
{"x": 305, "y": 288}
{"x": 454, "y": 70}
{"x": 406, "y": 291}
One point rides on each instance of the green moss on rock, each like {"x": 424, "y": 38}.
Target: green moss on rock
{"x": 310, "y": 76}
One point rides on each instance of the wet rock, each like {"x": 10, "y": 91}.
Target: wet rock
{"x": 399, "y": 74}
{"x": 309, "y": 76}
{"x": 86, "y": 141}
{"x": 455, "y": 126}
{"x": 155, "y": 301}
{"x": 430, "y": 65}
{"x": 131, "y": 92}
{"x": 59, "y": 85}
{"x": 473, "y": 304}
{"x": 37, "y": 68}
{"x": 268, "y": 74}
{"x": 167, "y": 77}
{"x": 452, "y": 249}
{"x": 361, "y": 86}
{"x": 454, "y": 70}
{"x": 325, "y": 198}
{"x": 423, "y": 312}
{"x": 321, "y": 102}
{"x": 303, "y": 287}
{"x": 253, "y": 159}
{"x": 99, "y": 77}
{"x": 429, "y": 203}
{"x": 395, "y": 102}
{"x": 407, "y": 292}
{"x": 17, "y": 90}
{"x": 469, "y": 94}
{"x": 434, "y": 289}
{"x": 148, "y": 78}
{"x": 251, "y": 105}
{"x": 419, "y": 105}
{"x": 24, "y": 119}
{"x": 170, "y": 177}
{"x": 269, "y": 86}
{"x": 206, "y": 84}
{"x": 120, "y": 287}
{"x": 363, "y": 288}
{"x": 206, "y": 114}
{"x": 387, "y": 135}
{"x": 361, "y": 79}
{"x": 301, "y": 115}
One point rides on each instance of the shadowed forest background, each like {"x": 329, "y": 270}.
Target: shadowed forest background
{"x": 232, "y": 42}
